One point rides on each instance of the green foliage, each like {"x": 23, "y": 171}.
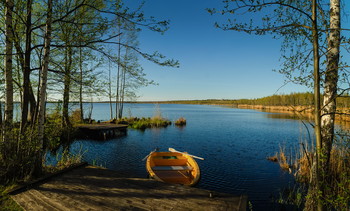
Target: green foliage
{"x": 53, "y": 131}
{"x": 75, "y": 117}
{"x": 6, "y": 203}
{"x": 17, "y": 155}
{"x": 156, "y": 121}
{"x": 67, "y": 159}
{"x": 144, "y": 123}
{"x": 293, "y": 196}
{"x": 19, "y": 152}
{"x": 294, "y": 99}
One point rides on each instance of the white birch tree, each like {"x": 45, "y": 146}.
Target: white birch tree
{"x": 43, "y": 87}
{"x": 301, "y": 24}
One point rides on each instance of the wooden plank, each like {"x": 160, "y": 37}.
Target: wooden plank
{"x": 171, "y": 168}
{"x": 92, "y": 188}
{"x": 102, "y": 126}
{"x": 102, "y": 131}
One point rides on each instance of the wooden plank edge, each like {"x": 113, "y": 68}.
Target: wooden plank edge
{"x": 31, "y": 184}
{"x": 243, "y": 203}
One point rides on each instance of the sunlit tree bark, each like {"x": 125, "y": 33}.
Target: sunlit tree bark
{"x": 8, "y": 66}
{"x": 43, "y": 87}
{"x": 331, "y": 80}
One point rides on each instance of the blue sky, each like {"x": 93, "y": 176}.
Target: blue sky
{"x": 214, "y": 64}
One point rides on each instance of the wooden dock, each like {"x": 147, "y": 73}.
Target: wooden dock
{"x": 93, "y": 188}
{"x": 101, "y": 131}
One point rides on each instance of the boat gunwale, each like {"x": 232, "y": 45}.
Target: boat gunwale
{"x": 189, "y": 162}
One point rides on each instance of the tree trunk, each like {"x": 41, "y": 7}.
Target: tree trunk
{"x": 0, "y": 119}
{"x": 26, "y": 70}
{"x": 66, "y": 91}
{"x": 117, "y": 101}
{"x": 122, "y": 89}
{"x": 8, "y": 67}
{"x": 43, "y": 86}
{"x": 33, "y": 112}
{"x": 315, "y": 184}
{"x": 110, "y": 88}
{"x": 331, "y": 81}
{"x": 330, "y": 96}
{"x": 81, "y": 85}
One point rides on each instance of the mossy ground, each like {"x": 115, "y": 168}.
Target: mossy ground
{"x": 6, "y": 203}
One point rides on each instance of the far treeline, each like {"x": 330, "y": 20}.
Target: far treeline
{"x": 293, "y": 99}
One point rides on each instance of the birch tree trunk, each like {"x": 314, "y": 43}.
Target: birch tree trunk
{"x": 331, "y": 81}
{"x": 43, "y": 86}
{"x": 330, "y": 96}
{"x": 8, "y": 67}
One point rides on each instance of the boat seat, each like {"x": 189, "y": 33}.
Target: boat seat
{"x": 171, "y": 168}
{"x": 170, "y": 162}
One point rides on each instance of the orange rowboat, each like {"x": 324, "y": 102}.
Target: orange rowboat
{"x": 173, "y": 167}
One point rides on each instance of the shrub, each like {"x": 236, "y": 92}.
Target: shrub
{"x": 75, "y": 116}
{"x": 144, "y": 123}
{"x": 180, "y": 122}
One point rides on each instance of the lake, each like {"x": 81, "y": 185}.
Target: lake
{"x": 234, "y": 142}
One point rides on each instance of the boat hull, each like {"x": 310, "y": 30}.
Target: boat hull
{"x": 173, "y": 167}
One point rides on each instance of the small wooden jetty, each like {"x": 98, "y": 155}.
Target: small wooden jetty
{"x": 93, "y": 188}
{"x": 101, "y": 131}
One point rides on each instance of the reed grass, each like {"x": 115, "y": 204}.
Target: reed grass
{"x": 6, "y": 203}
{"x": 180, "y": 121}
{"x": 273, "y": 158}
{"x": 67, "y": 159}
{"x": 337, "y": 195}
{"x": 281, "y": 159}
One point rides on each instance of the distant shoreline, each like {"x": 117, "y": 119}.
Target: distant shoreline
{"x": 305, "y": 111}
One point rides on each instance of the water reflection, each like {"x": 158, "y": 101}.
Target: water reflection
{"x": 289, "y": 115}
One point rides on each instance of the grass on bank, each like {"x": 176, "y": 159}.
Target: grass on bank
{"x": 17, "y": 156}
{"x": 144, "y": 123}
{"x": 157, "y": 121}
{"x": 6, "y": 203}
{"x": 337, "y": 196}
{"x": 66, "y": 160}
{"x": 150, "y": 122}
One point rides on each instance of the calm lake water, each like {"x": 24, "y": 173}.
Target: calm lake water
{"x": 234, "y": 143}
